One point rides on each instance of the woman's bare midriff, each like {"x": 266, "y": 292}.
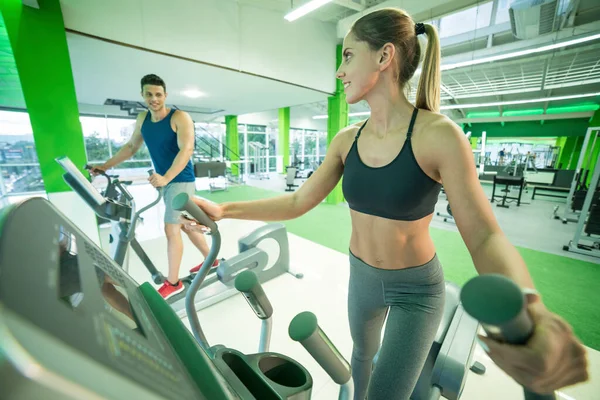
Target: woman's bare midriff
{"x": 390, "y": 244}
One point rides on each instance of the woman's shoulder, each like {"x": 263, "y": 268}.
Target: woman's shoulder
{"x": 431, "y": 125}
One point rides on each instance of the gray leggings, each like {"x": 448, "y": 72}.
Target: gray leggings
{"x": 413, "y": 300}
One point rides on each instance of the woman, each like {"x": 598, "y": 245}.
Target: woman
{"x": 393, "y": 166}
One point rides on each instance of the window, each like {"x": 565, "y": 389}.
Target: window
{"x": 19, "y": 166}
{"x": 467, "y": 20}
{"x": 105, "y": 136}
{"x": 310, "y": 148}
{"x": 241, "y": 140}
{"x": 295, "y": 146}
{"x": 322, "y": 145}
{"x": 95, "y": 138}
{"x": 273, "y": 135}
{"x": 208, "y": 141}
{"x": 119, "y": 132}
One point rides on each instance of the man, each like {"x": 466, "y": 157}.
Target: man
{"x": 169, "y": 136}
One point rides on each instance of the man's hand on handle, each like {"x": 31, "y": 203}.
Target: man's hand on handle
{"x": 98, "y": 170}
{"x": 158, "y": 180}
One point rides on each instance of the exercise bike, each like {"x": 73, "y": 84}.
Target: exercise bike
{"x": 120, "y": 209}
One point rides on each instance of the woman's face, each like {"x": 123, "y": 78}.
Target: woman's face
{"x": 361, "y": 68}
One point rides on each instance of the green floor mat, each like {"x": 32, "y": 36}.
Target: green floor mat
{"x": 567, "y": 285}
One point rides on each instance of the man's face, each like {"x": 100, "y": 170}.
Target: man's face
{"x": 154, "y": 97}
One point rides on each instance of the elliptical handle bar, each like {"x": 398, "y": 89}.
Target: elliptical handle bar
{"x": 160, "y": 195}
{"x": 99, "y": 172}
{"x": 500, "y": 306}
{"x": 183, "y": 202}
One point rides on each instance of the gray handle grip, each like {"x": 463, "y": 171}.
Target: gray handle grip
{"x": 183, "y": 202}
{"x": 305, "y": 329}
{"x": 150, "y": 172}
{"x": 501, "y": 308}
{"x": 247, "y": 283}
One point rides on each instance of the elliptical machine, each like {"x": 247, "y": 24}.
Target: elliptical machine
{"x": 119, "y": 208}
{"x": 117, "y": 205}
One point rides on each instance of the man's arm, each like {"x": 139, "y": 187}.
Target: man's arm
{"x": 185, "y": 141}
{"x": 132, "y": 146}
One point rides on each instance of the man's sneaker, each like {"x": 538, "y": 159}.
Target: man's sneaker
{"x": 197, "y": 267}
{"x": 167, "y": 290}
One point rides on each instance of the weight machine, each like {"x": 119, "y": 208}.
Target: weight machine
{"x": 587, "y": 235}
{"x": 570, "y": 213}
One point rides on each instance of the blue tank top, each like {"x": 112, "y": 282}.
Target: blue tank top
{"x": 399, "y": 190}
{"x": 161, "y": 141}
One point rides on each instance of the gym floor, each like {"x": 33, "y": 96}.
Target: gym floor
{"x": 320, "y": 251}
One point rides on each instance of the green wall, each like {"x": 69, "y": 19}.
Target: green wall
{"x": 550, "y": 128}
{"x": 337, "y": 110}
{"x": 284, "y": 136}
{"x": 41, "y": 54}
{"x": 232, "y": 141}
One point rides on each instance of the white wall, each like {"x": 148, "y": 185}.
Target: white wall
{"x": 95, "y": 109}
{"x": 300, "y": 117}
{"x": 221, "y": 32}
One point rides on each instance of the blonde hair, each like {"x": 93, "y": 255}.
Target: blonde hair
{"x": 392, "y": 25}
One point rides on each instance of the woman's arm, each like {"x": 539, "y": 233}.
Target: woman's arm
{"x": 489, "y": 247}
{"x": 293, "y": 205}
{"x": 553, "y": 357}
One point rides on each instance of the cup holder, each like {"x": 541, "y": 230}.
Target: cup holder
{"x": 282, "y": 371}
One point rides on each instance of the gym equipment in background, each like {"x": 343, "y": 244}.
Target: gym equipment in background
{"x": 290, "y": 178}
{"x": 508, "y": 181}
{"x": 588, "y": 222}
{"x": 215, "y": 171}
{"x": 571, "y": 212}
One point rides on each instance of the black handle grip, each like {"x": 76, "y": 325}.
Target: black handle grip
{"x": 98, "y": 170}
{"x": 501, "y": 308}
{"x": 150, "y": 172}
{"x": 183, "y": 202}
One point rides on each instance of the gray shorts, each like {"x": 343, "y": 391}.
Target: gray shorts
{"x": 169, "y": 193}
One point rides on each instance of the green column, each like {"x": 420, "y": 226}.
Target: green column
{"x": 232, "y": 142}
{"x": 567, "y": 151}
{"x": 560, "y": 143}
{"x": 337, "y": 119}
{"x": 39, "y": 45}
{"x": 594, "y": 157}
{"x": 576, "y": 152}
{"x": 593, "y": 152}
{"x": 473, "y": 141}
{"x": 283, "y": 149}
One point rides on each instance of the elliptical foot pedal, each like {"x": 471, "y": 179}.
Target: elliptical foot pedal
{"x": 478, "y": 368}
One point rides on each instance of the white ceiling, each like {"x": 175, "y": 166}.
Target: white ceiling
{"x": 104, "y": 70}
{"x": 332, "y": 12}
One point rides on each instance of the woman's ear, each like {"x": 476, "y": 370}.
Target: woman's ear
{"x": 386, "y": 56}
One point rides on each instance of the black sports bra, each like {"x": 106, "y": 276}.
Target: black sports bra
{"x": 399, "y": 190}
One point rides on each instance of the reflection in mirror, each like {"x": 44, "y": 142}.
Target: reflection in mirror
{"x": 116, "y": 300}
